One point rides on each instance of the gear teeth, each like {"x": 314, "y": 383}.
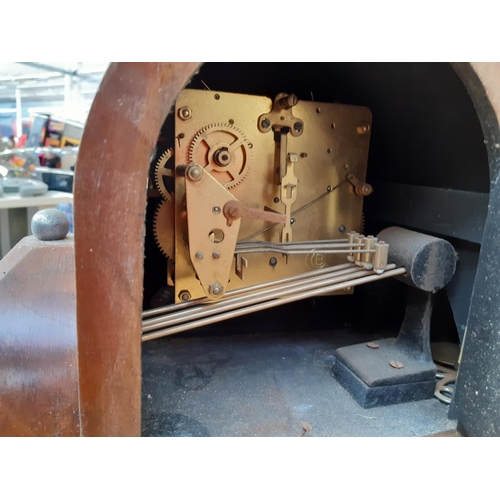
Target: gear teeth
{"x": 164, "y": 229}
{"x": 160, "y": 165}
{"x": 223, "y": 127}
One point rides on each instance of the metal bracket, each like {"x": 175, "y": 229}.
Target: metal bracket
{"x": 360, "y": 188}
{"x": 396, "y": 370}
{"x": 212, "y": 242}
{"x": 241, "y": 264}
{"x": 281, "y": 116}
{"x": 289, "y": 196}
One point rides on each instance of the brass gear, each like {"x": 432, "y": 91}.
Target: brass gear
{"x": 164, "y": 229}
{"x": 161, "y": 171}
{"x": 233, "y": 165}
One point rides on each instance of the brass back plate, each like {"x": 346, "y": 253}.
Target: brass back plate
{"x": 334, "y": 143}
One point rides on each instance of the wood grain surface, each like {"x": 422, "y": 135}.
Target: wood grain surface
{"x": 110, "y": 201}
{"x": 38, "y": 346}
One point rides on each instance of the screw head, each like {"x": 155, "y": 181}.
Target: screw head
{"x": 199, "y": 255}
{"x": 276, "y": 200}
{"x": 216, "y": 210}
{"x": 372, "y": 345}
{"x": 329, "y": 189}
{"x": 185, "y": 113}
{"x": 195, "y": 173}
{"x": 303, "y": 155}
{"x": 216, "y": 255}
{"x": 396, "y": 364}
{"x": 184, "y": 295}
{"x": 298, "y": 126}
{"x": 342, "y": 228}
{"x": 273, "y": 261}
{"x": 215, "y": 289}
{"x": 233, "y": 211}
{"x": 265, "y": 123}
{"x": 363, "y": 129}
{"x": 292, "y": 221}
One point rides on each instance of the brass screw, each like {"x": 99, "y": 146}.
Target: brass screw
{"x": 372, "y": 345}
{"x": 215, "y": 289}
{"x": 195, "y": 173}
{"x": 199, "y": 255}
{"x": 185, "y": 113}
{"x": 232, "y": 211}
{"x": 366, "y": 189}
{"x": 396, "y": 364}
{"x": 363, "y": 129}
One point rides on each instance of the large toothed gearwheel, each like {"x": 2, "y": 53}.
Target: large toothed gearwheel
{"x": 165, "y": 169}
{"x": 163, "y": 228}
{"x": 224, "y": 151}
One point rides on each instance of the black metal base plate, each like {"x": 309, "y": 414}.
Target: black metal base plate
{"x": 367, "y": 374}
{"x": 384, "y": 395}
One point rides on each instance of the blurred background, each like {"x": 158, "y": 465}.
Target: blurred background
{"x": 63, "y": 89}
{"x": 43, "y": 110}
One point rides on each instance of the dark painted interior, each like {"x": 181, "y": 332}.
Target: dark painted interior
{"x": 427, "y": 159}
